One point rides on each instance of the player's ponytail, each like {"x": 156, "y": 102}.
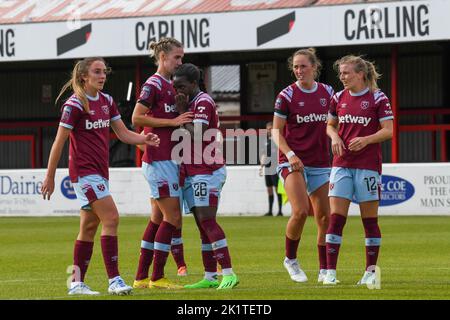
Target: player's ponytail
{"x": 372, "y": 76}
{"x": 76, "y": 82}
{"x": 310, "y": 53}
{"x": 163, "y": 45}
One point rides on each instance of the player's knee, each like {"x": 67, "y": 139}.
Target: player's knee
{"x": 323, "y": 222}
{"x": 175, "y": 221}
{"x": 111, "y": 222}
{"x": 300, "y": 214}
{"x": 90, "y": 229}
{"x": 178, "y": 222}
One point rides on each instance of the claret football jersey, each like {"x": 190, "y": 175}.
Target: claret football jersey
{"x": 360, "y": 115}
{"x": 306, "y": 113}
{"x": 158, "y": 95}
{"x": 89, "y": 138}
{"x": 207, "y": 158}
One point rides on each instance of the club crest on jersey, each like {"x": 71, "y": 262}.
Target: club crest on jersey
{"x": 101, "y": 187}
{"x": 323, "y": 102}
{"x": 364, "y": 105}
{"x": 105, "y": 109}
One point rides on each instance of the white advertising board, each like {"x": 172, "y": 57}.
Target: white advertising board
{"x": 369, "y": 23}
{"x": 408, "y": 189}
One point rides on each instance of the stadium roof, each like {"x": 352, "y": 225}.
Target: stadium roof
{"x": 27, "y": 11}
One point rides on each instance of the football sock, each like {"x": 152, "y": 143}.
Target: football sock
{"x": 373, "y": 240}
{"x": 147, "y": 245}
{"x": 334, "y": 239}
{"x": 110, "y": 251}
{"x": 177, "y": 248}
{"x": 82, "y": 253}
{"x": 216, "y": 237}
{"x": 291, "y": 247}
{"x": 322, "y": 249}
{"x": 161, "y": 249}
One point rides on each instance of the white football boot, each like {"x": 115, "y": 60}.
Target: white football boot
{"x": 322, "y": 274}
{"x": 368, "y": 278}
{"x": 330, "y": 278}
{"x": 80, "y": 288}
{"x": 119, "y": 287}
{"x": 295, "y": 272}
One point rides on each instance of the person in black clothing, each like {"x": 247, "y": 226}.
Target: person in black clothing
{"x": 271, "y": 178}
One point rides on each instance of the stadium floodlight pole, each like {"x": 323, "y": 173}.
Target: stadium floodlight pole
{"x": 394, "y": 103}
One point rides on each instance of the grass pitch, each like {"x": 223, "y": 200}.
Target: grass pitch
{"x": 414, "y": 260}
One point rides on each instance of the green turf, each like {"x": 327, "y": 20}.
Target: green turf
{"x": 414, "y": 259}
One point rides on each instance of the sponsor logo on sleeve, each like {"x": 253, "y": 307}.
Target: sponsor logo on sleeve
{"x": 66, "y": 113}
{"x": 278, "y": 103}
{"x": 145, "y": 93}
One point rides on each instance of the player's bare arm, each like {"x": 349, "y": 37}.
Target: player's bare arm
{"x": 337, "y": 145}
{"x": 140, "y": 118}
{"x": 141, "y": 146}
{"x": 48, "y": 185}
{"x": 130, "y": 137}
{"x": 280, "y": 141}
{"x": 385, "y": 133}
